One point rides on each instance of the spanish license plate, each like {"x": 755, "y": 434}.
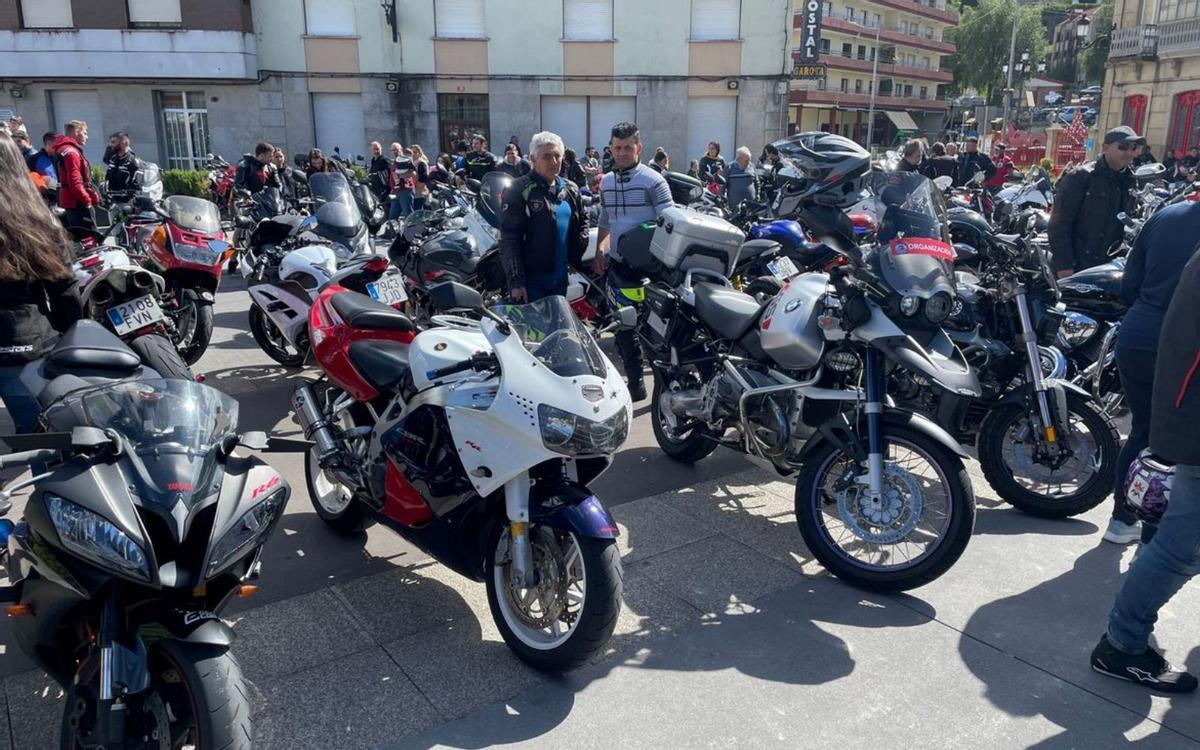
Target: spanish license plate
{"x": 389, "y": 290}
{"x": 128, "y": 317}
{"x": 783, "y": 268}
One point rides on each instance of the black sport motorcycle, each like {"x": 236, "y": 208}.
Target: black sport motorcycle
{"x": 144, "y": 521}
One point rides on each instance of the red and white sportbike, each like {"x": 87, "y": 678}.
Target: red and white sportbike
{"x": 476, "y": 440}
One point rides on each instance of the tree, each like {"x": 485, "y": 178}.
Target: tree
{"x": 982, "y": 40}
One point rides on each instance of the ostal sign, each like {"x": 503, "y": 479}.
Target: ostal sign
{"x": 810, "y": 43}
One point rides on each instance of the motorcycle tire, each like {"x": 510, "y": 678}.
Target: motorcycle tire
{"x": 206, "y": 686}
{"x": 160, "y": 354}
{"x": 265, "y": 332}
{"x": 348, "y": 521}
{"x": 763, "y": 288}
{"x": 686, "y": 450}
{"x": 201, "y": 332}
{"x": 596, "y": 620}
{"x": 993, "y": 433}
{"x": 817, "y": 537}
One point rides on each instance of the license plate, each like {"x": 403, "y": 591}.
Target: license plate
{"x": 389, "y": 290}
{"x": 128, "y": 317}
{"x": 783, "y": 268}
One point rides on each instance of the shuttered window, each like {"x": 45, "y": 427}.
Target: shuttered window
{"x": 716, "y": 19}
{"x": 154, "y": 11}
{"x": 46, "y": 14}
{"x": 587, "y": 19}
{"x": 459, "y": 19}
{"x": 329, "y": 18}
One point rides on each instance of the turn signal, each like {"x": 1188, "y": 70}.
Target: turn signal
{"x": 19, "y": 610}
{"x": 247, "y": 590}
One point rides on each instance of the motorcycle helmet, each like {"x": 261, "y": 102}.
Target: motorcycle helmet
{"x": 820, "y": 168}
{"x": 1148, "y": 486}
{"x": 491, "y": 196}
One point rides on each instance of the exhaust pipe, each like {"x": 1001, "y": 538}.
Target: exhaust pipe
{"x": 312, "y": 421}
{"x": 684, "y": 403}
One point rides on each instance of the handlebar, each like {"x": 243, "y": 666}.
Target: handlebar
{"x": 25, "y": 458}
{"x": 479, "y": 361}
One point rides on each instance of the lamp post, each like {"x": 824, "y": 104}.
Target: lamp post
{"x": 1012, "y": 52}
{"x": 874, "y": 87}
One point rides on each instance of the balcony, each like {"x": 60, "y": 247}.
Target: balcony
{"x": 838, "y": 61}
{"x": 122, "y": 53}
{"x": 844, "y": 100}
{"x": 1136, "y": 42}
{"x": 891, "y": 34}
{"x": 1179, "y": 37}
{"x": 926, "y": 9}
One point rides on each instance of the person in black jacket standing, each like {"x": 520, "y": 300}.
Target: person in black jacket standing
{"x": 38, "y": 295}
{"x": 479, "y": 161}
{"x": 543, "y": 227}
{"x": 1172, "y": 557}
{"x": 972, "y": 160}
{"x": 256, "y": 170}
{"x": 1084, "y": 223}
{"x": 940, "y": 164}
{"x": 122, "y": 166}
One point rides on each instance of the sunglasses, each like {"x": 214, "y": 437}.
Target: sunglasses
{"x": 1128, "y": 146}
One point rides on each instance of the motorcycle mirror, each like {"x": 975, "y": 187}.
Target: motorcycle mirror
{"x": 89, "y": 438}
{"x": 208, "y": 157}
{"x": 255, "y": 440}
{"x": 627, "y": 315}
{"x": 450, "y": 295}
{"x": 943, "y": 182}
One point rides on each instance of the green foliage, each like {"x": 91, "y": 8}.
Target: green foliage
{"x": 185, "y": 182}
{"x": 99, "y": 174}
{"x": 982, "y": 38}
{"x": 360, "y": 173}
{"x": 1064, "y": 70}
{"x": 1093, "y": 58}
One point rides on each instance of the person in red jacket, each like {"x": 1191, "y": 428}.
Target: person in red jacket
{"x": 76, "y": 196}
{"x": 1004, "y": 168}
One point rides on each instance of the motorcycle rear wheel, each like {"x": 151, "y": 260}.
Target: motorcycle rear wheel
{"x": 688, "y": 448}
{"x": 580, "y": 614}
{"x": 271, "y": 340}
{"x": 161, "y": 355}
{"x": 995, "y": 439}
{"x": 334, "y": 503}
{"x": 837, "y": 527}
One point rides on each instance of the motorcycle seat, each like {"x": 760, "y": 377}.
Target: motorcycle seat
{"x": 755, "y": 248}
{"x": 1010, "y": 239}
{"x": 89, "y": 347}
{"x": 727, "y": 311}
{"x": 360, "y": 311}
{"x": 383, "y": 364}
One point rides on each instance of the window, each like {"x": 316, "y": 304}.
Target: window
{"x": 876, "y": 21}
{"x": 858, "y": 85}
{"x": 585, "y": 120}
{"x": 327, "y": 18}
{"x": 849, "y": 14}
{"x": 1134, "y": 112}
{"x": 870, "y": 87}
{"x": 587, "y": 19}
{"x": 710, "y": 118}
{"x": 908, "y": 89}
{"x": 827, "y": 9}
{"x": 46, "y": 14}
{"x": 459, "y": 19}
{"x": 185, "y": 128}
{"x": 925, "y": 62}
{"x": 820, "y": 84}
{"x": 847, "y": 49}
{"x": 825, "y": 46}
{"x": 862, "y": 17}
{"x": 716, "y": 19}
{"x": 929, "y": 32}
{"x": 154, "y": 12}
{"x": 845, "y": 84}
{"x": 862, "y": 52}
{"x": 461, "y": 117}
{"x": 924, "y": 92}
{"x": 338, "y": 122}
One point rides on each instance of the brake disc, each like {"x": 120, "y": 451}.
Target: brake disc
{"x": 892, "y": 516}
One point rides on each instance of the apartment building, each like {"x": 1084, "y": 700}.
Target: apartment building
{"x": 1067, "y": 44}
{"x": 1152, "y": 82}
{"x": 908, "y": 38}
{"x": 185, "y": 77}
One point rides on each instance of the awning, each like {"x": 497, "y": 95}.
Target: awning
{"x": 902, "y": 120}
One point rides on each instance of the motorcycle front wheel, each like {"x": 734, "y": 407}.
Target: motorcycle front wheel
{"x": 684, "y": 446}
{"x": 1013, "y": 463}
{"x": 197, "y": 698}
{"x": 194, "y": 327}
{"x": 272, "y": 341}
{"x": 913, "y": 534}
{"x": 568, "y": 616}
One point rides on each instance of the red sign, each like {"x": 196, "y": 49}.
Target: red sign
{"x": 922, "y": 246}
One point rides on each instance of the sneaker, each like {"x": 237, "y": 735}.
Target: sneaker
{"x": 637, "y": 390}
{"x": 1119, "y": 532}
{"x": 1148, "y": 668}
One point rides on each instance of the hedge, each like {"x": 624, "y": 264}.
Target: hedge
{"x": 99, "y": 174}
{"x": 185, "y": 182}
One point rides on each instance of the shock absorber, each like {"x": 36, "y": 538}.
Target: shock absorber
{"x": 312, "y": 421}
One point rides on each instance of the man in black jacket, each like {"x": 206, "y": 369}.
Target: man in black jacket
{"x": 543, "y": 227}
{"x": 479, "y": 161}
{"x": 122, "y": 165}
{"x": 940, "y": 164}
{"x": 972, "y": 160}
{"x": 256, "y": 170}
{"x": 513, "y": 164}
{"x": 1172, "y": 557}
{"x": 1087, "y": 200}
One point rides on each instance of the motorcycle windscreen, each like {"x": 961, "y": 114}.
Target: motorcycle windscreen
{"x": 194, "y": 214}
{"x": 915, "y": 254}
{"x": 555, "y": 336}
{"x": 333, "y": 188}
{"x": 174, "y": 429}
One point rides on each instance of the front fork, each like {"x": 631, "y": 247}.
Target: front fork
{"x": 516, "y": 506}
{"x": 1034, "y": 366}
{"x": 876, "y": 394}
{"x": 121, "y": 672}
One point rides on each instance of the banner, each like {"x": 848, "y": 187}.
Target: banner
{"x": 810, "y": 32}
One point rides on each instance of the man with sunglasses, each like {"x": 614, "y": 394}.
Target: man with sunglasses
{"x": 1084, "y": 223}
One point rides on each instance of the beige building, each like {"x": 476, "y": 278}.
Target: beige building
{"x": 1153, "y": 79}
{"x": 908, "y": 37}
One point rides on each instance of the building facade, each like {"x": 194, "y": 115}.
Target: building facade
{"x": 909, "y": 39}
{"x": 1152, "y": 82}
{"x": 1067, "y": 44}
{"x": 341, "y": 73}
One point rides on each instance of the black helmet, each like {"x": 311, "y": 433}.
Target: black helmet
{"x": 820, "y": 168}
{"x": 491, "y": 196}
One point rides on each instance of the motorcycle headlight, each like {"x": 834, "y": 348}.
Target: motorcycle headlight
{"x": 252, "y": 527}
{"x": 341, "y": 251}
{"x": 573, "y": 435}
{"x": 203, "y": 256}
{"x": 1075, "y": 330}
{"x": 909, "y": 305}
{"x": 937, "y": 307}
{"x": 92, "y": 537}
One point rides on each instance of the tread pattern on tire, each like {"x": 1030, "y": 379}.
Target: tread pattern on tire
{"x": 220, "y": 691}
{"x": 161, "y": 355}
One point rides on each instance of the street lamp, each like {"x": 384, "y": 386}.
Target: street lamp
{"x": 1082, "y": 27}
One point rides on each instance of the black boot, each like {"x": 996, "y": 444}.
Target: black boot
{"x": 631, "y": 357}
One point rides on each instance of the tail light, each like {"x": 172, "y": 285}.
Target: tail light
{"x": 376, "y": 265}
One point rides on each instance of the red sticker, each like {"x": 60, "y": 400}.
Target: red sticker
{"x": 923, "y": 246}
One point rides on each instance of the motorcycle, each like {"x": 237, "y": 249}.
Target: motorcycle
{"x": 476, "y": 441}
{"x": 143, "y": 524}
{"x": 222, "y": 177}
{"x": 800, "y": 382}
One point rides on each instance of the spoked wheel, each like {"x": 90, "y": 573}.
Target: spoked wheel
{"x": 567, "y": 617}
{"x": 684, "y": 444}
{"x": 196, "y": 699}
{"x": 1018, "y": 467}
{"x": 908, "y": 537}
{"x": 272, "y": 341}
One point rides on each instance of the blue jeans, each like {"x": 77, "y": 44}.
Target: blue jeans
{"x": 1161, "y": 568}
{"x": 402, "y": 205}
{"x": 22, "y": 406}
{"x": 418, "y": 204}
